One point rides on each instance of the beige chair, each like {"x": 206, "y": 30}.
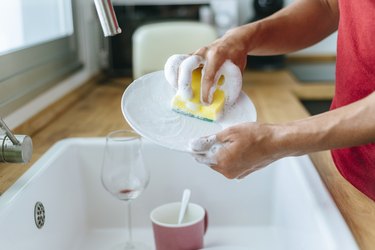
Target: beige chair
{"x": 154, "y": 43}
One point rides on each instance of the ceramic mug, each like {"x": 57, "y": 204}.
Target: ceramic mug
{"x": 169, "y": 235}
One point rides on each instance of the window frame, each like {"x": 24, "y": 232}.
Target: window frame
{"x": 28, "y": 72}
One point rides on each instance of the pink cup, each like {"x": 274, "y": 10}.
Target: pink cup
{"x": 188, "y": 235}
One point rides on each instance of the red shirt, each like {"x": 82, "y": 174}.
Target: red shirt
{"x": 355, "y": 79}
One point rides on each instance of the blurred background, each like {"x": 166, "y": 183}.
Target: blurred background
{"x": 49, "y": 47}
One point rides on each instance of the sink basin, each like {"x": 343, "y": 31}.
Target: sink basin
{"x": 284, "y": 206}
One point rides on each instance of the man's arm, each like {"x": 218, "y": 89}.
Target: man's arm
{"x": 296, "y": 26}
{"x": 251, "y": 146}
{"x": 350, "y": 125}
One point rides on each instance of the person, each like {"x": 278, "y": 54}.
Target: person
{"x": 348, "y": 129}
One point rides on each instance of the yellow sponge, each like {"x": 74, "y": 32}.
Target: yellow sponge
{"x": 193, "y": 107}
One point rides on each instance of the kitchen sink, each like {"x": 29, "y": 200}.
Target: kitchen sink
{"x": 59, "y": 203}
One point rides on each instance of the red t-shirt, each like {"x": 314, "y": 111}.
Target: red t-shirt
{"x": 355, "y": 79}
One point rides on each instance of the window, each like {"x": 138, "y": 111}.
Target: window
{"x": 38, "y": 47}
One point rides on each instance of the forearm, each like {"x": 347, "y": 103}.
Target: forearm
{"x": 351, "y": 125}
{"x": 297, "y": 26}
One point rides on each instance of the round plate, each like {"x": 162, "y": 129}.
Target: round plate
{"x": 146, "y": 106}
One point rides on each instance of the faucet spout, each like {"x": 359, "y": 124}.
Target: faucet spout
{"x": 107, "y": 17}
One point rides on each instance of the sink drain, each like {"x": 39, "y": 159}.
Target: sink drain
{"x": 39, "y": 214}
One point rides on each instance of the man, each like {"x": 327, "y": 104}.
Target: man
{"x": 348, "y": 129}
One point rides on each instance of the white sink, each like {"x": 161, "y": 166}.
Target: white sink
{"x": 284, "y": 206}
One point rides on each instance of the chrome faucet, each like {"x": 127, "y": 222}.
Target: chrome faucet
{"x": 107, "y": 17}
{"x": 14, "y": 148}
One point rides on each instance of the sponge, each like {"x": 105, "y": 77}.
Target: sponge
{"x": 193, "y": 107}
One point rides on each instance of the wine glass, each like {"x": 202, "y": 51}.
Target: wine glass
{"x": 124, "y": 173}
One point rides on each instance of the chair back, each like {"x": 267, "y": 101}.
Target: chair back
{"x": 154, "y": 43}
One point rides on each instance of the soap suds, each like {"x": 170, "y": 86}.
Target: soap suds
{"x": 185, "y": 76}
{"x": 203, "y": 144}
{"x": 178, "y": 72}
{"x": 171, "y": 69}
{"x": 232, "y": 82}
{"x": 205, "y": 149}
{"x": 191, "y": 105}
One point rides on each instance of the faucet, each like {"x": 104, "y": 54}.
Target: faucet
{"x": 14, "y": 148}
{"x": 107, "y": 17}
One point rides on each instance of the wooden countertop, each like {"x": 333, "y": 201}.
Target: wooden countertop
{"x": 94, "y": 109}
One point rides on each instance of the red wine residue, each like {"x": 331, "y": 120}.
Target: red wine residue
{"x": 126, "y": 191}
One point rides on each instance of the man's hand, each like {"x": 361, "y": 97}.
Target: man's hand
{"x": 239, "y": 150}
{"x": 297, "y": 26}
{"x": 233, "y": 47}
{"x": 244, "y": 148}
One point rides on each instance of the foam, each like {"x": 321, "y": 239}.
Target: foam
{"x": 178, "y": 72}
{"x": 203, "y": 144}
{"x": 185, "y": 72}
{"x": 171, "y": 69}
{"x": 205, "y": 149}
{"x": 232, "y": 84}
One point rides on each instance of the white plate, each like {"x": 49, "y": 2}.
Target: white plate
{"x": 146, "y": 107}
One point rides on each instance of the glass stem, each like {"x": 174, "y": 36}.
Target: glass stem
{"x": 130, "y": 235}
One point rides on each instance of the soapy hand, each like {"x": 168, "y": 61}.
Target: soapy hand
{"x": 178, "y": 71}
{"x": 239, "y": 150}
{"x": 230, "y": 47}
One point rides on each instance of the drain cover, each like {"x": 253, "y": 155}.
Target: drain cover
{"x": 39, "y": 214}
